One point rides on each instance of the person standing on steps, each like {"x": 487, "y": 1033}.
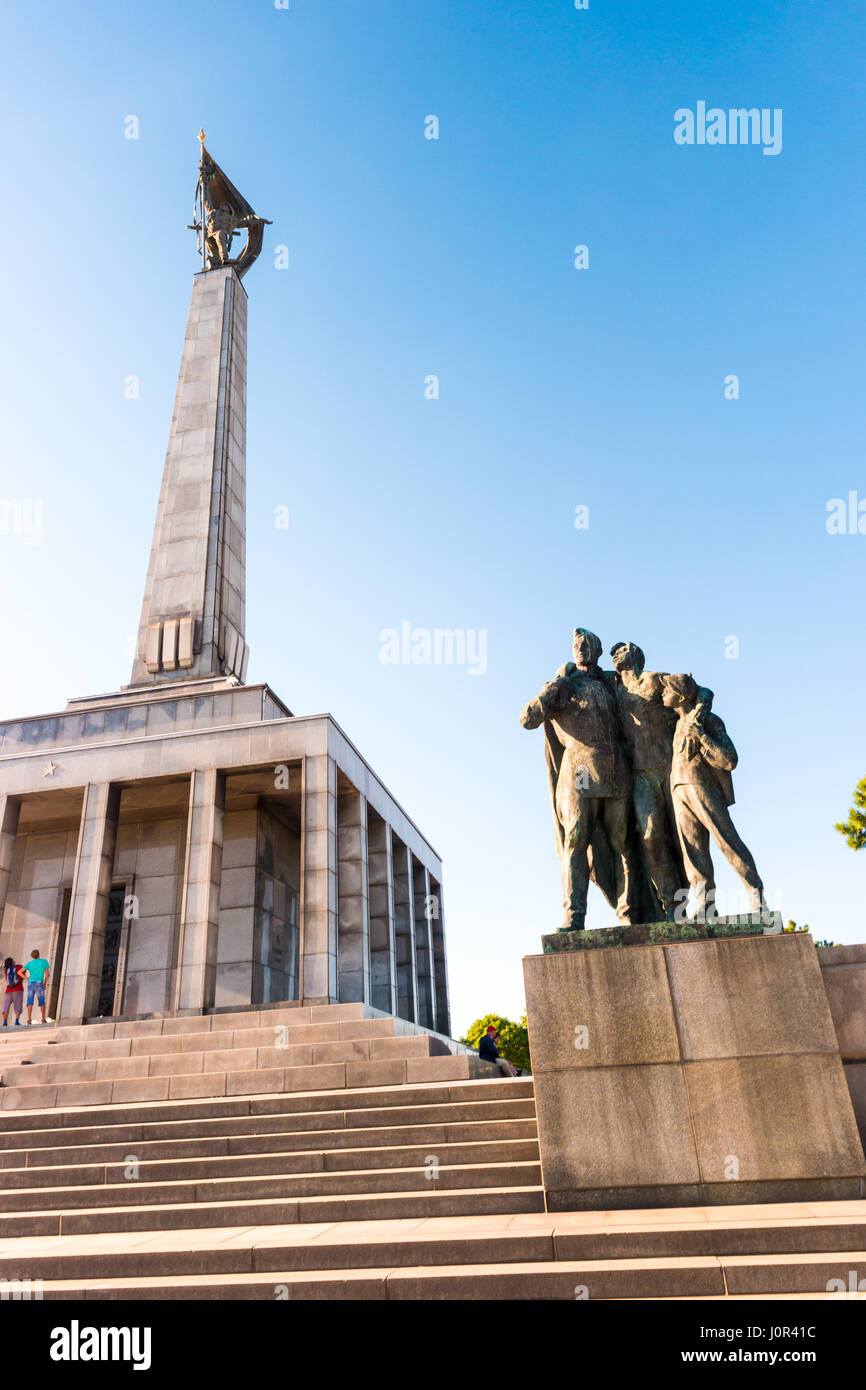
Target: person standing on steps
{"x": 37, "y": 979}
{"x": 14, "y": 996}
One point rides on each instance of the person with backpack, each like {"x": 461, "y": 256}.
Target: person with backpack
{"x": 37, "y": 979}
{"x": 14, "y": 996}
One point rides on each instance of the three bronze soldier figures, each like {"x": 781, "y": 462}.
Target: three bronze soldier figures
{"x": 640, "y": 777}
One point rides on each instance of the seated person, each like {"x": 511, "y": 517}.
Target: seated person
{"x": 488, "y": 1048}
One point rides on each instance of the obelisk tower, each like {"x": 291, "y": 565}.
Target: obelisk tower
{"x": 192, "y": 617}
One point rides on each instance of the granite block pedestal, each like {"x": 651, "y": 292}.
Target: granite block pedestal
{"x": 689, "y": 1073}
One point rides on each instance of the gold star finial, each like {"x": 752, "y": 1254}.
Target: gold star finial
{"x": 202, "y": 136}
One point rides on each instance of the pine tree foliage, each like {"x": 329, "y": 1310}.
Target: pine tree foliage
{"x": 854, "y": 828}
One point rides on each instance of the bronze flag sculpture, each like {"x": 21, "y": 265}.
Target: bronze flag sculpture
{"x": 221, "y": 214}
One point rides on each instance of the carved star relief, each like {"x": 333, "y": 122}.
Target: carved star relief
{"x": 50, "y": 768}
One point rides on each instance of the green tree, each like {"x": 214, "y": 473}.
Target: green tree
{"x": 513, "y": 1040}
{"x": 854, "y": 828}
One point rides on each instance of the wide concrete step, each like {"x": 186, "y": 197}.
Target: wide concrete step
{"x": 287, "y": 1141}
{"x": 312, "y": 1181}
{"x": 747, "y": 1297}
{"x": 369, "y": 1021}
{"x": 36, "y": 1031}
{"x": 310, "y": 1128}
{"x": 232, "y": 1078}
{"x": 565, "y": 1280}
{"x": 48, "y": 1070}
{"x": 291, "y": 1014}
{"x": 386, "y": 1033}
{"x": 282, "y": 1162}
{"x": 22, "y": 1042}
{"x": 252, "y": 1051}
{"x": 445, "y": 1240}
{"x": 13, "y": 1058}
{"x": 343, "y": 1245}
{"x": 199, "y": 1214}
{"x": 511, "y": 1098}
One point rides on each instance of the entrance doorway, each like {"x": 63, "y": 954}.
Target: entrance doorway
{"x": 108, "y": 991}
{"x": 56, "y": 958}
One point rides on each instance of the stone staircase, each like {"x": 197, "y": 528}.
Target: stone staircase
{"x": 318, "y": 1048}
{"x": 185, "y": 1159}
{"x": 17, "y": 1044}
{"x": 285, "y": 1159}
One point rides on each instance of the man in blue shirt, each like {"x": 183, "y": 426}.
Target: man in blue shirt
{"x": 37, "y": 979}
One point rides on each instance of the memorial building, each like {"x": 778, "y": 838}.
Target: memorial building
{"x": 188, "y": 843}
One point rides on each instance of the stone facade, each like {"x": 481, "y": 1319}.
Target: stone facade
{"x": 260, "y": 859}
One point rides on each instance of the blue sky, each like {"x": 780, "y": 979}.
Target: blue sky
{"x": 601, "y": 387}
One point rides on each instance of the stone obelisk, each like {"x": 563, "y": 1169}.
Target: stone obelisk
{"x": 192, "y": 617}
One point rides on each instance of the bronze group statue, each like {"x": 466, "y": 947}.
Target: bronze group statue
{"x": 640, "y": 778}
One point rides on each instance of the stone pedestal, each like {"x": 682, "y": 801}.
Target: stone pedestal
{"x": 689, "y": 1073}
{"x": 843, "y": 970}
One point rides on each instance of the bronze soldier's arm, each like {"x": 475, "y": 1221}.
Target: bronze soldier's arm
{"x": 717, "y": 747}
{"x": 547, "y": 702}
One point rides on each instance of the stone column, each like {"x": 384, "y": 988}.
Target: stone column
{"x": 8, "y": 830}
{"x": 192, "y": 616}
{"x": 440, "y": 963}
{"x": 318, "y": 965}
{"x": 199, "y": 921}
{"x": 91, "y": 885}
{"x": 383, "y": 958}
{"x": 353, "y": 912}
{"x": 423, "y": 946}
{"x": 404, "y": 931}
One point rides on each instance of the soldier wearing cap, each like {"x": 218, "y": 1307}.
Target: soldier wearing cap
{"x": 703, "y": 759}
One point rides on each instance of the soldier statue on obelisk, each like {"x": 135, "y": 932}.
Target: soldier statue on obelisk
{"x": 221, "y": 212}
